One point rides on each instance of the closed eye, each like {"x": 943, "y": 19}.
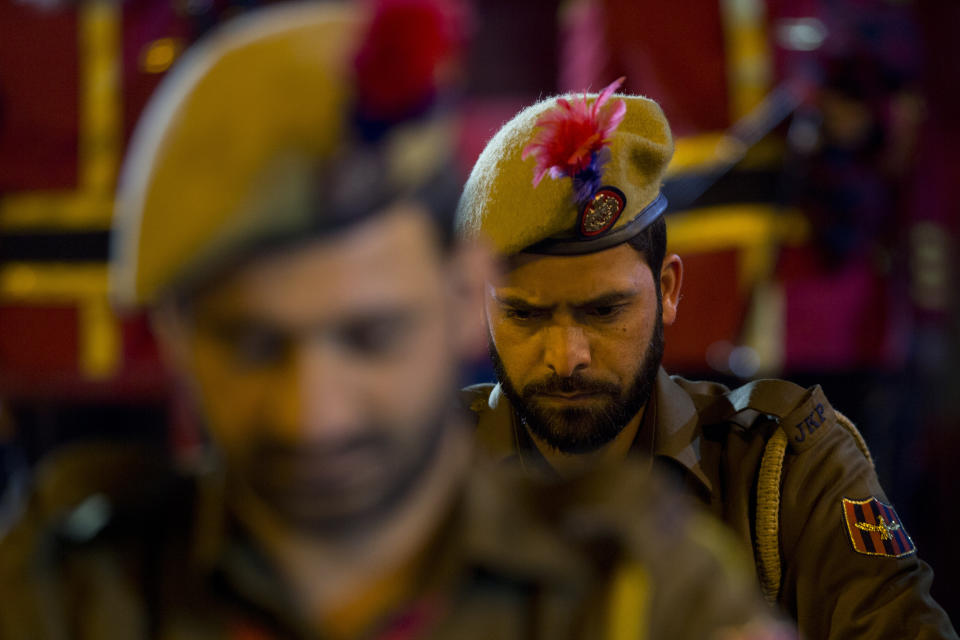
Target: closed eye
{"x": 606, "y": 311}
{"x": 524, "y": 314}
{"x": 252, "y": 346}
{"x": 377, "y": 336}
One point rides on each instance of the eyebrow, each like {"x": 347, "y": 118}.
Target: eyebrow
{"x": 251, "y": 321}
{"x": 606, "y": 300}
{"x": 603, "y": 300}
{"x": 519, "y": 303}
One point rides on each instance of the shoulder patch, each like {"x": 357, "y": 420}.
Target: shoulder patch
{"x": 875, "y": 529}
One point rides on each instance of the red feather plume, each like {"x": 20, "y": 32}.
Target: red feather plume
{"x": 408, "y": 47}
{"x": 572, "y": 132}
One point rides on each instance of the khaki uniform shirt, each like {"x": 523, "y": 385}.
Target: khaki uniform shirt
{"x": 114, "y": 545}
{"x": 776, "y": 463}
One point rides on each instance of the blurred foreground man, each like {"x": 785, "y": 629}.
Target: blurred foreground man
{"x": 286, "y": 216}
{"x": 568, "y": 192}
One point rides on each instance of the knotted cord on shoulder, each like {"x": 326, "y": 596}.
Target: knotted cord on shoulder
{"x": 768, "y": 515}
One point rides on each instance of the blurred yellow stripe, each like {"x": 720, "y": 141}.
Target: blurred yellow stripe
{"x": 755, "y": 232}
{"x": 99, "y": 134}
{"x": 85, "y": 286}
{"x": 705, "y": 152}
{"x": 739, "y": 226}
{"x": 628, "y": 616}
{"x": 749, "y": 72}
{"x": 44, "y": 283}
{"x": 696, "y": 153}
{"x": 55, "y": 211}
{"x": 100, "y": 339}
{"x": 100, "y": 27}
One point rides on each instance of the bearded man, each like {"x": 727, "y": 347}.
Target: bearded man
{"x": 568, "y": 194}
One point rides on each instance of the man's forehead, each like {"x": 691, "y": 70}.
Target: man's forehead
{"x": 547, "y": 280}
{"x": 382, "y": 262}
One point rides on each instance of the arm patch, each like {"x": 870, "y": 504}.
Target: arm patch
{"x": 875, "y": 529}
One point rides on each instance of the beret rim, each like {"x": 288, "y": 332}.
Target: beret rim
{"x": 575, "y": 247}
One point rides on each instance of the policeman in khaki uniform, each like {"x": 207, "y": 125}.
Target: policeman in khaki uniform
{"x": 568, "y": 194}
{"x": 289, "y": 226}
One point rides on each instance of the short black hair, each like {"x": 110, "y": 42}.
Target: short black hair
{"x": 651, "y": 243}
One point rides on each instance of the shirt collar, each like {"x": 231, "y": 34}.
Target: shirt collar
{"x": 528, "y": 549}
{"x": 209, "y": 532}
{"x": 226, "y": 556}
{"x": 676, "y": 423}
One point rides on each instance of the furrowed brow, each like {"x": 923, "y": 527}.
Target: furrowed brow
{"x": 519, "y": 303}
{"x": 606, "y": 300}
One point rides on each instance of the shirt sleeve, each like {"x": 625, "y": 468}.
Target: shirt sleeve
{"x": 850, "y": 569}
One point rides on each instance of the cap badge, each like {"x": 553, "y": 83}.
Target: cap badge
{"x": 602, "y": 211}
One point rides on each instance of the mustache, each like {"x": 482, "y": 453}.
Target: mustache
{"x": 570, "y": 384}
{"x": 271, "y": 451}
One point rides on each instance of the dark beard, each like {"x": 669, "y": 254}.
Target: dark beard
{"x": 580, "y": 430}
{"x": 289, "y": 480}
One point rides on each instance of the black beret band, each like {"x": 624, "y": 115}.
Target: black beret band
{"x": 579, "y": 246}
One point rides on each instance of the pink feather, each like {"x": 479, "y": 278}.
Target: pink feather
{"x": 571, "y": 132}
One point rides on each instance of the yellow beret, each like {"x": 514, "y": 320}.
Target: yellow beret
{"x": 501, "y": 203}
{"x": 232, "y": 148}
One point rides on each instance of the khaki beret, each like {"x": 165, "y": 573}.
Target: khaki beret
{"x": 501, "y": 202}
{"x": 234, "y": 147}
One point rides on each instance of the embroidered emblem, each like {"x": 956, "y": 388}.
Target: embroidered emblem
{"x": 602, "y": 211}
{"x": 884, "y": 529}
{"x": 875, "y": 529}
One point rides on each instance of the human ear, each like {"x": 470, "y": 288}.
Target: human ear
{"x": 472, "y": 266}
{"x": 169, "y": 323}
{"x": 671, "y": 279}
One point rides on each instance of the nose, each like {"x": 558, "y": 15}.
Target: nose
{"x": 567, "y": 350}
{"x": 319, "y": 400}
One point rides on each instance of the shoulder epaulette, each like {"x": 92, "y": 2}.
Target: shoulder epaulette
{"x": 803, "y": 415}
{"x": 496, "y": 434}
{"x": 475, "y": 397}
{"x": 80, "y": 491}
